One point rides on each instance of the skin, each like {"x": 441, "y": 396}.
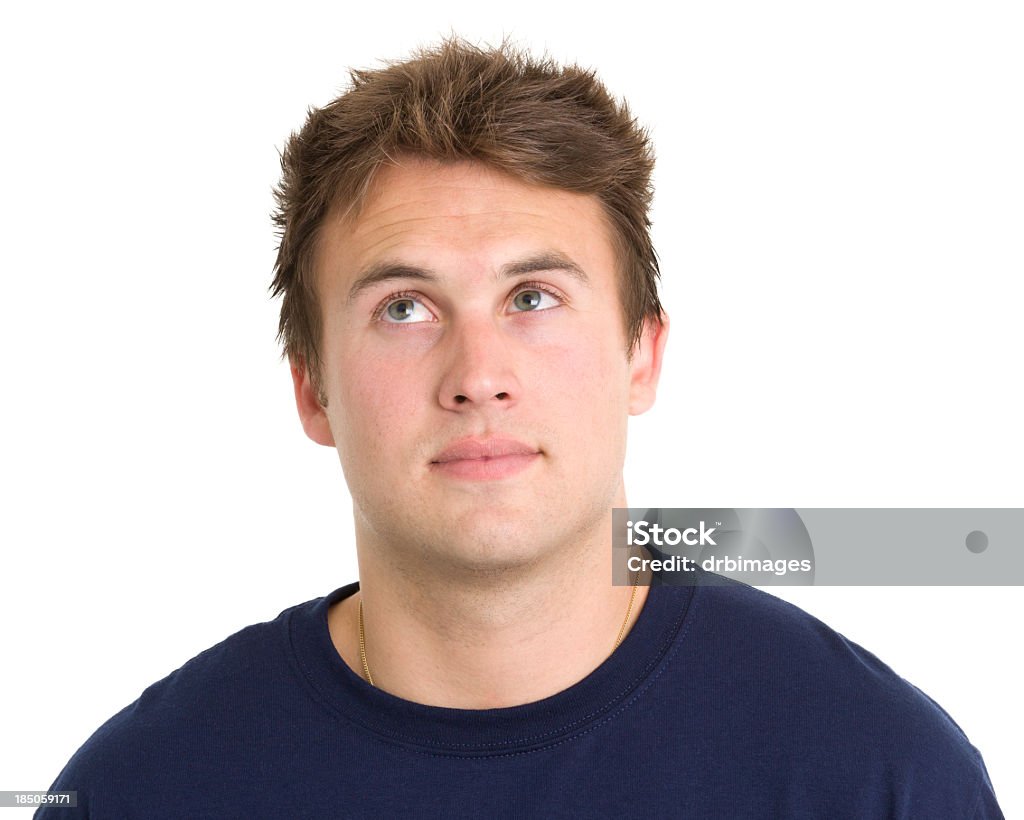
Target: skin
{"x": 489, "y": 586}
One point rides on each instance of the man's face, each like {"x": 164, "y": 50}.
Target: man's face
{"x": 475, "y": 366}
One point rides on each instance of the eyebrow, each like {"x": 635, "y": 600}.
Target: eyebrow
{"x": 386, "y": 271}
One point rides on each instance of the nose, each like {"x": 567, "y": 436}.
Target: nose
{"x": 480, "y": 370}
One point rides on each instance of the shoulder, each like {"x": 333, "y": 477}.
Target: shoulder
{"x": 816, "y": 698}
{"x": 769, "y": 646}
{"x": 192, "y": 716}
{"x": 245, "y": 662}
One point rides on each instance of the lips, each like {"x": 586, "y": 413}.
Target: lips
{"x": 471, "y": 449}
{"x": 476, "y": 459}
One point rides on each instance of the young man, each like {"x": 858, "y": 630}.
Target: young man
{"x": 470, "y": 312}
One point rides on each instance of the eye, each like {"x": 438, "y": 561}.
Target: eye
{"x": 405, "y": 310}
{"x": 534, "y": 298}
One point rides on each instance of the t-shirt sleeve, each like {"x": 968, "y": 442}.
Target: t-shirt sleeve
{"x": 985, "y": 805}
{"x": 84, "y": 774}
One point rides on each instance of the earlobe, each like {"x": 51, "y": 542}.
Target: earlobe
{"x": 645, "y": 366}
{"x": 311, "y": 412}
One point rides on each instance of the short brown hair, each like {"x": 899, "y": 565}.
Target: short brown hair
{"x": 538, "y": 121}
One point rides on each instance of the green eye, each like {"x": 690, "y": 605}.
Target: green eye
{"x": 401, "y": 309}
{"x": 406, "y": 310}
{"x": 528, "y": 299}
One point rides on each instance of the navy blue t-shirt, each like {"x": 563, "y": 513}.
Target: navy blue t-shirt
{"x": 722, "y": 702}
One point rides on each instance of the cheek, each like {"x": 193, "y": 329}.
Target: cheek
{"x": 582, "y": 395}
{"x": 377, "y": 398}
{"x": 584, "y": 386}
{"x": 590, "y": 360}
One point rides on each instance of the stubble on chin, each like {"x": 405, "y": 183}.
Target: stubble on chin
{"x": 487, "y": 547}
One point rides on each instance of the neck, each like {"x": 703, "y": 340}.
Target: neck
{"x": 486, "y": 640}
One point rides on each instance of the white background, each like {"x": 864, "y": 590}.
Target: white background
{"x": 839, "y": 217}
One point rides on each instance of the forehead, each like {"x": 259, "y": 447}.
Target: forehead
{"x": 463, "y": 217}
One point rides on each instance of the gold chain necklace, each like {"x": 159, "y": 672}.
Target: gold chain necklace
{"x": 362, "y": 633}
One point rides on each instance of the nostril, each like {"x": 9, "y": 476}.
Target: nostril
{"x": 501, "y": 396}
{"x": 460, "y": 399}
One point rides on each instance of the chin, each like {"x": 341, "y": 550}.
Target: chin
{"x": 491, "y": 550}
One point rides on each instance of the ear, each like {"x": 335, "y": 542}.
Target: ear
{"x": 311, "y": 412}
{"x": 645, "y": 366}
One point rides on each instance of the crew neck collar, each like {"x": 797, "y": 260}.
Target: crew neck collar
{"x": 598, "y": 697}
